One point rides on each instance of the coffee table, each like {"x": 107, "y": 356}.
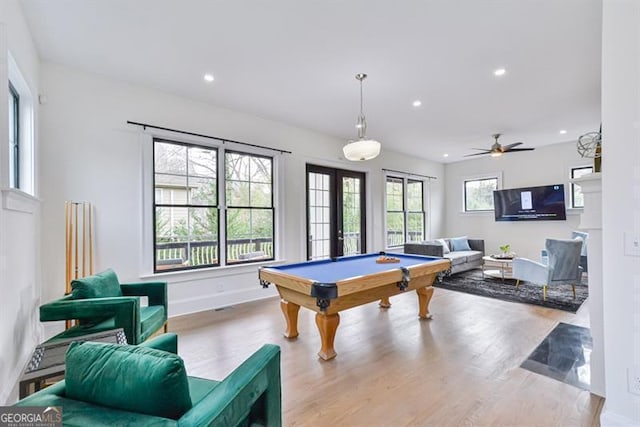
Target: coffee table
{"x": 499, "y": 268}
{"x": 48, "y": 359}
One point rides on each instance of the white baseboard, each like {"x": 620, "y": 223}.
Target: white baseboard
{"x": 610, "y": 419}
{"x": 220, "y": 300}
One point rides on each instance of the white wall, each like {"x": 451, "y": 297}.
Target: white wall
{"x": 19, "y": 220}
{"x": 621, "y": 205}
{"x": 90, "y": 154}
{"x": 546, "y": 165}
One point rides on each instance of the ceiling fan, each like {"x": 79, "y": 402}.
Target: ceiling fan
{"x": 498, "y": 149}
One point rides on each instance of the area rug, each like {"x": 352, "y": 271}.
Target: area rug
{"x": 564, "y": 355}
{"x": 559, "y": 297}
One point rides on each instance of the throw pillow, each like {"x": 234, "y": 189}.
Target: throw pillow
{"x": 127, "y": 377}
{"x": 460, "y": 244}
{"x": 101, "y": 285}
{"x": 445, "y": 247}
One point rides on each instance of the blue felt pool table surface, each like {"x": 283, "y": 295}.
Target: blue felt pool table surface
{"x": 333, "y": 271}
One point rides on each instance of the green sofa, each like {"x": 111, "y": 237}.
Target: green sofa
{"x": 99, "y": 303}
{"x": 146, "y": 385}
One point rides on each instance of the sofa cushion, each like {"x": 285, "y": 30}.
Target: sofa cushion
{"x": 474, "y": 256}
{"x": 445, "y": 246}
{"x": 456, "y": 258}
{"x": 76, "y": 413}
{"x": 101, "y": 285}
{"x": 137, "y": 379}
{"x": 460, "y": 244}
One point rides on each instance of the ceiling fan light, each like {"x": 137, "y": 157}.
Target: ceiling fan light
{"x": 362, "y": 149}
{"x": 496, "y": 153}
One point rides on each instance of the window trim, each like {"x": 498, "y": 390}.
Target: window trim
{"x": 465, "y": 179}
{"x": 147, "y": 242}
{"x": 15, "y": 157}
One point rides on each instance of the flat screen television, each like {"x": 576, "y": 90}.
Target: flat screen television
{"x": 544, "y": 203}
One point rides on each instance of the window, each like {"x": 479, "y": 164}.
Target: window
{"x": 415, "y": 211}
{"x": 186, "y": 206}
{"x": 21, "y": 141}
{"x": 192, "y": 228}
{"x": 405, "y": 211}
{"x": 249, "y": 216}
{"x": 478, "y": 194}
{"x": 577, "y": 198}
{"x": 14, "y": 137}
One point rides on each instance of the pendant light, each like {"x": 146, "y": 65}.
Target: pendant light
{"x": 363, "y": 148}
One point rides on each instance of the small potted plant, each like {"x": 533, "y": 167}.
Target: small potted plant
{"x": 505, "y": 251}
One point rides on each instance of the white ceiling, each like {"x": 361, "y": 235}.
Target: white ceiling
{"x": 295, "y": 61}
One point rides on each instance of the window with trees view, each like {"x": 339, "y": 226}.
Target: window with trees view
{"x": 191, "y": 230}
{"x": 405, "y": 211}
{"x": 478, "y": 194}
{"x": 577, "y": 198}
{"x": 249, "y": 220}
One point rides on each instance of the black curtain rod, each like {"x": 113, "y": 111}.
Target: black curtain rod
{"x": 146, "y": 125}
{"x": 409, "y": 173}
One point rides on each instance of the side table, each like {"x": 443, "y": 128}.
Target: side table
{"x": 48, "y": 359}
{"x": 502, "y": 267}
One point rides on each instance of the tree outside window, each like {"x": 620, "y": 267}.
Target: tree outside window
{"x": 186, "y": 206}
{"x": 405, "y": 211}
{"x": 188, "y": 223}
{"x": 395, "y": 211}
{"x": 478, "y": 194}
{"x": 249, "y": 214}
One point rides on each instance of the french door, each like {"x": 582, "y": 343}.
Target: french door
{"x": 335, "y": 212}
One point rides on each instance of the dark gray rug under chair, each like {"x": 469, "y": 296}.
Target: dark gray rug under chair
{"x": 559, "y": 297}
{"x": 564, "y": 355}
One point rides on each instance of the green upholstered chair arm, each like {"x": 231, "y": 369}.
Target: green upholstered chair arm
{"x": 125, "y": 311}
{"x": 155, "y": 291}
{"x": 250, "y": 394}
{"x": 165, "y": 342}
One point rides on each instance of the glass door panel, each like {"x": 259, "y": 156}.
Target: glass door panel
{"x": 335, "y": 212}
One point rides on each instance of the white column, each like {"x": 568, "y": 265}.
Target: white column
{"x": 591, "y": 222}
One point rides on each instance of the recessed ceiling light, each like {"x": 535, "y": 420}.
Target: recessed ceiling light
{"x": 445, "y": 155}
{"x": 417, "y": 103}
{"x": 500, "y": 72}
{"x": 208, "y": 78}
{"x": 562, "y": 132}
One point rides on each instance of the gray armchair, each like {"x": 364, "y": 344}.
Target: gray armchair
{"x": 583, "y": 254}
{"x": 563, "y": 267}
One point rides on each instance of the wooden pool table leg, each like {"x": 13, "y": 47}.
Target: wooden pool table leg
{"x": 290, "y": 311}
{"x": 384, "y": 302}
{"x": 424, "y": 297}
{"x": 327, "y": 325}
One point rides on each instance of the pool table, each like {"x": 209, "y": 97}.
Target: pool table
{"x": 332, "y": 285}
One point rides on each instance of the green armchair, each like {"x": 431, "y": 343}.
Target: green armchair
{"x": 101, "y": 303}
{"x": 111, "y": 384}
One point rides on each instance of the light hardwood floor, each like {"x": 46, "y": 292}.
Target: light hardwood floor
{"x": 392, "y": 369}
